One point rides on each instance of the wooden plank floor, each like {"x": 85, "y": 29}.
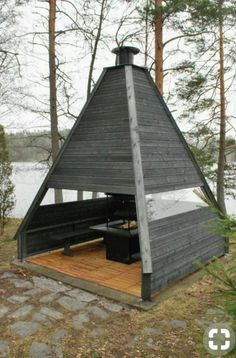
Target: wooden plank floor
{"x": 89, "y": 263}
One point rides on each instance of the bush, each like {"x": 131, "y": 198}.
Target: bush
{"x": 7, "y": 198}
{"x": 225, "y": 272}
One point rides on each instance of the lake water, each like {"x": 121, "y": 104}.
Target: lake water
{"x": 28, "y": 177}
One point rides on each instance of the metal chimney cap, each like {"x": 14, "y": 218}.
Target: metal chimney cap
{"x": 125, "y": 54}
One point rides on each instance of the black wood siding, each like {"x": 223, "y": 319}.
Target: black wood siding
{"x": 166, "y": 163}
{"x": 50, "y": 220}
{"x": 177, "y": 241}
{"x": 98, "y": 156}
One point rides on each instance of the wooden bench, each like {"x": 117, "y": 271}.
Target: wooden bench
{"x": 66, "y": 224}
{"x": 66, "y": 237}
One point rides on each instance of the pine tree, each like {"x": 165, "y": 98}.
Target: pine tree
{"x": 7, "y": 198}
{"x": 209, "y": 76}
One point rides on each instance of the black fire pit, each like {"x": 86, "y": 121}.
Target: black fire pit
{"x": 121, "y": 239}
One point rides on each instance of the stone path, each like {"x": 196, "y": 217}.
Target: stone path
{"x": 31, "y": 305}
{"x": 38, "y": 307}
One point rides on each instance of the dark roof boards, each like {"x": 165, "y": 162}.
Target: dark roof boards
{"x": 98, "y": 156}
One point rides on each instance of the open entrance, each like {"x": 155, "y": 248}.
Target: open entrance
{"x": 95, "y": 240}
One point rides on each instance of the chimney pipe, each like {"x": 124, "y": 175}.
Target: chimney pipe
{"x": 125, "y": 55}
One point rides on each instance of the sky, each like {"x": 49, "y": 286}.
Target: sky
{"x": 34, "y": 65}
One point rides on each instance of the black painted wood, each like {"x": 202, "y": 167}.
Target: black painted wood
{"x": 146, "y": 292}
{"x": 177, "y": 241}
{"x": 160, "y": 141}
{"x": 57, "y": 214}
{"x": 51, "y": 225}
{"x": 98, "y": 156}
{"x": 52, "y": 221}
{"x": 102, "y": 135}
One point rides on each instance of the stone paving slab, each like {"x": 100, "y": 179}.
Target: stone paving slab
{"x": 74, "y": 292}
{"x": 49, "y": 298}
{"x": 40, "y": 350}
{"x": 4, "y": 349}
{"x": 51, "y": 313}
{"x": 32, "y": 308}
{"x": 112, "y": 307}
{"x": 71, "y": 304}
{"x": 25, "y": 328}
{"x": 9, "y": 275}
{"x": 18, "y": 283}
{"x": 151, "y": 330}
{"x": 80, "y": 319}
{"x": 49, "y": 284}
{"x": 33, "y": 292}
{"x": 59, "y": 352}
{"x": 39, "y": 317}
{"x": 215, "y": 312}
{"x": 17, "y": 299}
{"x": 3, "y": 311}
{"x": 22, "y": 311}
{"x": 59, "y": 335}
{"x": 82, "y": 295}
{"x": 98, "y": 312}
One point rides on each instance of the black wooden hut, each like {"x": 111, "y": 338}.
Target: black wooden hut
{"x": 127, "y": 145}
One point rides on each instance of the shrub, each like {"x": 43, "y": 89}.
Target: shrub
{"x": 7, "y": 198}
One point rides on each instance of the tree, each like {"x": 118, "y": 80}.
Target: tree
{"x": 95, "y": 38}
{"x": 10, "y": 70}
{"x": 53, "y": 89}
{"x": 222, "y": 134}
{"x": 159, "y": 46}
{"x": 167, "y": 15}
{"x": 205, "y": 68}
{"x": 69, "y": 26}
{"x": 95, "y": 13}
{"x": 7, "y": 201}
{"x": 209, "y": 79}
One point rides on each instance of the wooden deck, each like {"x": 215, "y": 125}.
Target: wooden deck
{"x": 89, "y": 263}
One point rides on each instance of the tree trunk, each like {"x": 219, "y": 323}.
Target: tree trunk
{"x": 221, "y": 157}
{"x": 53, "y": 90}
{"x": 159, "y": 49}
{"x": 95, "y": 47}
{"x": 93, "y": 58}
{"x": 146, "y": 35}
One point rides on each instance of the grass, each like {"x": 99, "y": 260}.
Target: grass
{"x": 189, "y": 304}
{"x": 7, "y": 244}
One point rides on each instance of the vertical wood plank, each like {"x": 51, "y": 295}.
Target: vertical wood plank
{"x": 21, "y": 246}
{"x": 138, "y": 174}
{"x": 146, "y": 287}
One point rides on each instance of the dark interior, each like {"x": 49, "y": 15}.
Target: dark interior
{"x": 64, "y": 225}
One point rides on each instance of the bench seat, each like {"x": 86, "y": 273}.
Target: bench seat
{"x": 66, "y": 238}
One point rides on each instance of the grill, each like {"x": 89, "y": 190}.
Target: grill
{"x": 121, "y": 231}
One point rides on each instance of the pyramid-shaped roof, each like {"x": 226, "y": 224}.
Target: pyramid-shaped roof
{"x": 98, "y": 155}
{"x": 126, "y": 141}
